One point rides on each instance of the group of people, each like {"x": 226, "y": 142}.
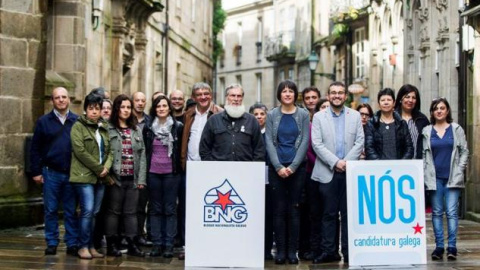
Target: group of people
{"x": 136, "y": 159}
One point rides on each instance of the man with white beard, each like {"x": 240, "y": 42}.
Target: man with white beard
{"x": 234, "y": 134}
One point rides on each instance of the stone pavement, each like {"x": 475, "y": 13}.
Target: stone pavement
{"x": 23, "y": 248}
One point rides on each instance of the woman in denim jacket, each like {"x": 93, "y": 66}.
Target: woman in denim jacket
{"x": 127, "y": 176}
{"x": 286, "y": 139}
{"x": 445, "y": 156}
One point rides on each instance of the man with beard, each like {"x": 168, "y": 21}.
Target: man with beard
{"x": 337, "y": 136}
{"x": 232, "y": 135}
{"x": 178, "y": 102}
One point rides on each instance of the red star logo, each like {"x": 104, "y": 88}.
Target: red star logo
{"x": 418, "y": 229}
{"x": 223, "y": 199}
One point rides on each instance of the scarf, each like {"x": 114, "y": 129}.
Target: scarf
{"x": 163, "y": 133}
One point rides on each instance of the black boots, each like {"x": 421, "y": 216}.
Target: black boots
{"x": 133, "y": 250}
{"x": 112, "y": 248}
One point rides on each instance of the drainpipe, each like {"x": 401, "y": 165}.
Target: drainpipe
{"x": 167, "y": 41}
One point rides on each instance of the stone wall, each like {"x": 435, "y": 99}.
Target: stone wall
{"x": 22, "y": 82}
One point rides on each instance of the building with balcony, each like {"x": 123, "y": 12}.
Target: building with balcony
{"x": 245, "y": 44}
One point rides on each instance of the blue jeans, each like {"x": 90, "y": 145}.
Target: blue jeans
{"x": 445, "y": 199}
{"x": 57, "y": 188}
{"x": 90, "y": 199}
{"x": 163, "y": 191}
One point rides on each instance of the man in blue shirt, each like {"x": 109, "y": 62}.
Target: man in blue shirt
{"x": 50, "y": 158}
{"x": 337, "y": 136}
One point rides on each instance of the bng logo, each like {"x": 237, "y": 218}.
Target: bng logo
{"x": 224, "y": 205}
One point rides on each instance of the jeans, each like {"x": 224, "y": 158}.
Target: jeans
{"x": 57, "y": 188}
{"x": 122, "y": 202}
{"x": 90, "y": 199}
{"x": 334, "y": 198}
{"x": 286, "y": 195}
{"x": 445, "y": 199}
{"x": 163, "y": 191}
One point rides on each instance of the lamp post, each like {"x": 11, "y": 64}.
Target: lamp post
{"x": 312, "y": 63}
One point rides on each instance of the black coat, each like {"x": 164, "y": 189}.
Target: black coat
{"x": 149, "y": 136}
{"x": 374, "y": 139}
{"x": 420, "y": 121}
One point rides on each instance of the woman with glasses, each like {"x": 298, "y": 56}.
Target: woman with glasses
{"x": 162, "y": 141}
{"x": 445, "y": 156}
{"x": 387, "y": 136}
{"x": 366, "y": 113}
{"x": 127, "y": 177}
{"x": 287, "y": 142}
{"x": 408, "y": 106}
{"x": 106, "y": 109}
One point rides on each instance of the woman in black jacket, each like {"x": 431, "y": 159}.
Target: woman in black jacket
{"x": 387, "y": 136}
{"x": 162, "y": 143}
{"x": 407, "y": 106}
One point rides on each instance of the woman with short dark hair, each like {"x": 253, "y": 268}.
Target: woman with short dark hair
{"x": 91, "y": 161}
{"x": 387, "y": 136}
{"x": 287, "y": 142}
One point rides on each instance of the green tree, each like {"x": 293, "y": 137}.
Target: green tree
{"x": 219, "y": 17}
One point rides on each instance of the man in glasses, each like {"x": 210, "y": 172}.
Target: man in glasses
{"x": 337, "y": 136}
{"x": 178, "y": 103}
{"x": 194, "y": 121}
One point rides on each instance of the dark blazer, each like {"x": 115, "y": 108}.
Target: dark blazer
{"x": 149, "y": 136}
{"x": 374, "y": 139}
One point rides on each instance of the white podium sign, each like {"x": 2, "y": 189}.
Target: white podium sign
{"x": 225, "y": 214}
{"x": 386, "y": 212}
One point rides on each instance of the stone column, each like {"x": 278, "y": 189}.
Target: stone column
{"x": 22, "y": 82}
{"x": 119, "y": 30}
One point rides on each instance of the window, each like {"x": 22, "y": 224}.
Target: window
{"x": 359, "y": 53}
{"x": 290, "y": 73}
{"x": 281, "y": 76}
{"x": 259, "y": 86}
{"x": 239, "y": 79}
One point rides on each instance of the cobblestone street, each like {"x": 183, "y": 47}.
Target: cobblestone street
{"x": 23, "y": 248}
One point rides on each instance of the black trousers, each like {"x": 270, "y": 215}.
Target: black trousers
{"x": 334, "y": 198}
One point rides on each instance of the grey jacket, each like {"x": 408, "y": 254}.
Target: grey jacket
{"x": 323, "y": 142}
{"x": 139, "y": 159}
{"x": 458, "y": 161}
{"x": 302, "y": 118}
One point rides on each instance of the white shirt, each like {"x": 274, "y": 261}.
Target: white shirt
{"x": 195, "y": 135}
{"x": 60, "y": 117}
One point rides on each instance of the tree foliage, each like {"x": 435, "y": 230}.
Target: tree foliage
{"x": 219, "y": 18}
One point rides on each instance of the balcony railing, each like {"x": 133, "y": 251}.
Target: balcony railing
{"x": 281, "y": 45}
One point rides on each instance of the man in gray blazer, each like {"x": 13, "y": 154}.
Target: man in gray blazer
{"x": 337, "y": 136}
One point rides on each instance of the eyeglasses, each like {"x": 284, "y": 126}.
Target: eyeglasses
{"x": 365, "y": 115}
